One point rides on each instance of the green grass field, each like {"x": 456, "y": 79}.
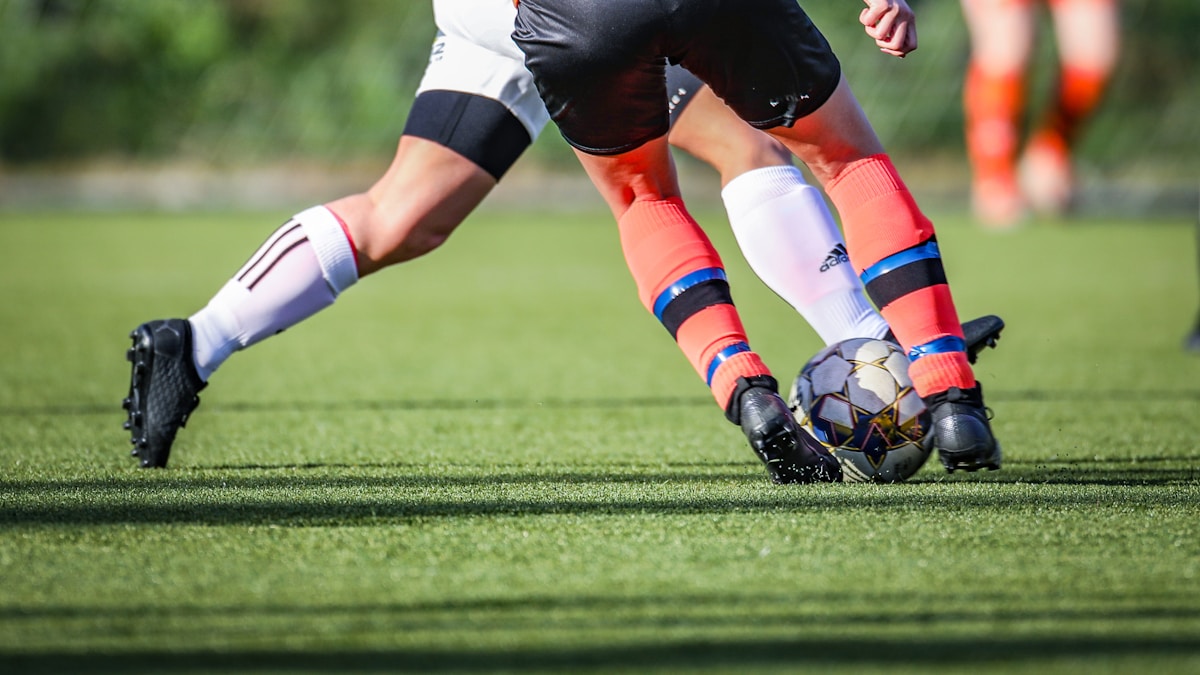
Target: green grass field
{"x": 494, "y": 459}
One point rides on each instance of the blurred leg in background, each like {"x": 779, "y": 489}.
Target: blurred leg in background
{"x": 1087, "y": 33}
{"x": 1192, "y": 343}
{"x": 1004, "y": 37}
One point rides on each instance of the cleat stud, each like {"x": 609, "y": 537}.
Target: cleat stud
{"x": 127, "y": 404}
{"x": 128, "y": 425}
{"x": 133, "y": 452}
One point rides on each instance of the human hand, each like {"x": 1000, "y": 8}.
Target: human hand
{"x": 892, "y": 24}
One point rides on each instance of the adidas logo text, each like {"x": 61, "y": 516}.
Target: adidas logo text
{"x": 836, "y": 257}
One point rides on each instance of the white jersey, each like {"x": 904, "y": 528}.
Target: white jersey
{"x": 474, "y": 54}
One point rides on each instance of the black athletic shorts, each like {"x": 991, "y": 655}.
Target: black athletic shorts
{"x": 599, "y": 64}
{"x": 485, "y": 132}
{"x": 682, "y": 86}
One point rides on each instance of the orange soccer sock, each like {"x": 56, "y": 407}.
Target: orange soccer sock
{"x": 681, "y": 280}
{"x": 892, "y": 246}
{"x": 937, "y": 361}
{"x": 1079, "y": 92}
{"x": 879, "y": 214}
{"x": 992, "y": 104}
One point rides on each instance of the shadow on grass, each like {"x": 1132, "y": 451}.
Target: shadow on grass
{"x": 602, "y": 612}
{"x": 689, "y": 656}
{"x": 394, "y": 494}
{"x": 341, "y": 405}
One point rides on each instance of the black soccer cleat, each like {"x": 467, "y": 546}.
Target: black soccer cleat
{"x": 163, "y": 388}
{"x": 979, "y": 334}
{"x": 790, "y": 453}
{"x": 960, "y": 430}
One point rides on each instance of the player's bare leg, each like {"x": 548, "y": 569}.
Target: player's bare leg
{"x": 426, "y": 193}
{"x": 709, "y": 131}
{"x": 298, "y": 271}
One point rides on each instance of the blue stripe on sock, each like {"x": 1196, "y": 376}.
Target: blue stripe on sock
{"x": 944, "y": 345}
{"x": 674, "y": 290}
{"x": 909, "y": 255}
{"x": 723, "y": 356}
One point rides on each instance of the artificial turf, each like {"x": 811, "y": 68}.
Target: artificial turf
{"x": 494, "y": 459}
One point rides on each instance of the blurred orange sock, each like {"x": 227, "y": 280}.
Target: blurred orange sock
{"x": 992, "y": 104}
{"x": 1079, "y": 92}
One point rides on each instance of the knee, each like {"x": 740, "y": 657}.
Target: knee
{"x": 394, "y": 237}
{"x": 735, "y": 154}
{"x": 754, "y": 150}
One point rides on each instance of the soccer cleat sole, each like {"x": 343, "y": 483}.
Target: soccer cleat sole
{"x": 970, "y": 465}
{"x": 140, "y": 355}
{"x": 152, "y": 447}
{"x": 971, "y": 459}
{"x": 981, "y": 333}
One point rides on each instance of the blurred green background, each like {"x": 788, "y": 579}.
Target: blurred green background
{"x": 289, "y": 83}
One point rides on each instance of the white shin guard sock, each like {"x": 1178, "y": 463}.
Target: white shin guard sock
{"x": 792, "y": 243}
{"x": 300, "y": 270}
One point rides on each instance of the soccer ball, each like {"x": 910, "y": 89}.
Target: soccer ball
{"x": 856, "y": 398}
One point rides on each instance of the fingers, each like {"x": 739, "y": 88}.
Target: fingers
{"x": 901, "y": 40}
{"x": 892, "y": 24}
{"x": 874, "y": 11}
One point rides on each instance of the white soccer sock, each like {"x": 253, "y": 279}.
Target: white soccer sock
{"x": 790, "y": 239}
{"x": 297, "y": 272}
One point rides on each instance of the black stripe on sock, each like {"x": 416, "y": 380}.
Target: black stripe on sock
{"x": 887, "y": 288}
{"x": 686, "y": 304}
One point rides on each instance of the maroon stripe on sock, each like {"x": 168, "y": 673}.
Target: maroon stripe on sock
{"x": 274, "y": 261}
{"x": 265, "y": 250}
